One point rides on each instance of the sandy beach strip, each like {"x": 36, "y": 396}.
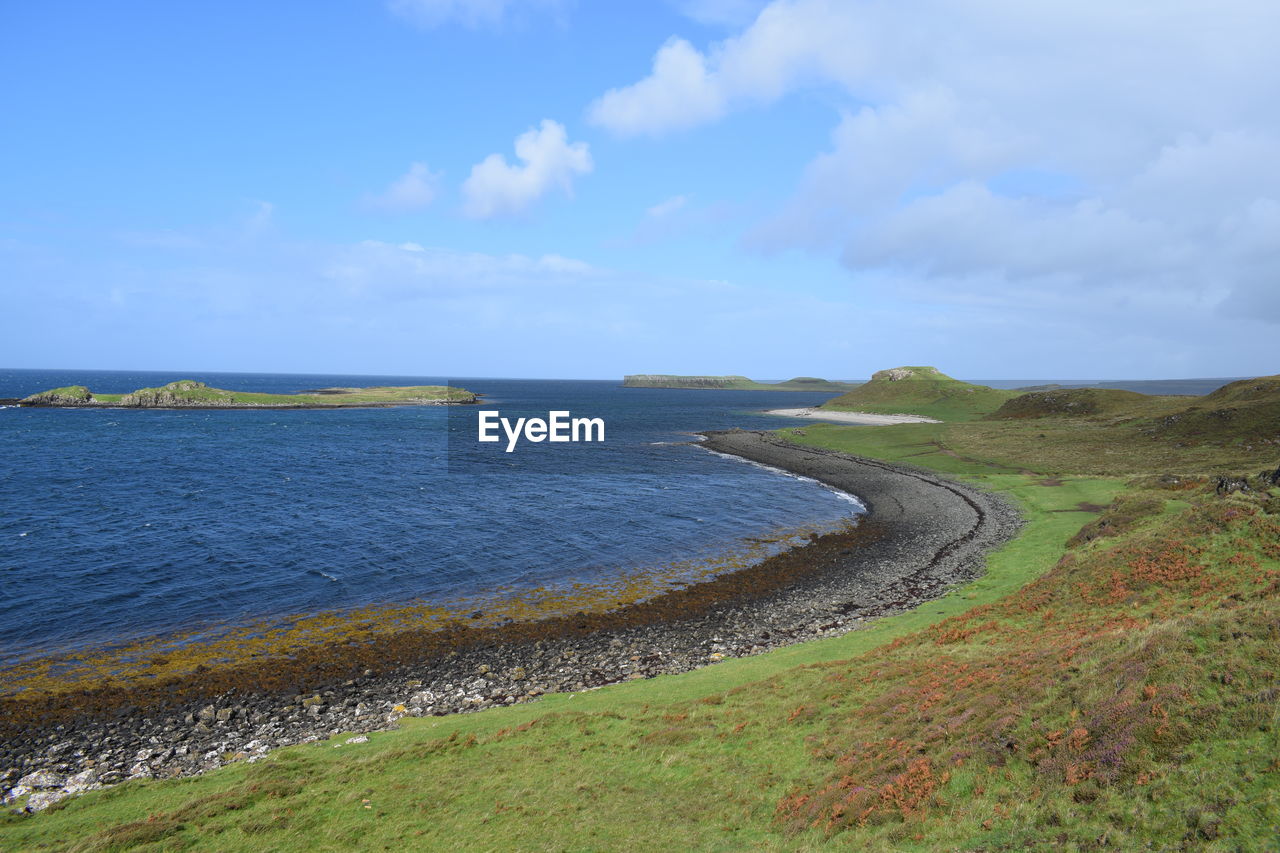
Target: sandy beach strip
{"x": 859, "y": 418}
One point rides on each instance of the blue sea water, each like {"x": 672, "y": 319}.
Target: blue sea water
{"x": 117, "y": 524}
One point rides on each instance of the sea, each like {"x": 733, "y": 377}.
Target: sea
{"x": 121, "y": 524}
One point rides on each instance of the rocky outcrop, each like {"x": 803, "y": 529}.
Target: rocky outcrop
{"x": 185, "y": 393}
{"x": 72, "y": 395}
{"x": 897, "y": 374}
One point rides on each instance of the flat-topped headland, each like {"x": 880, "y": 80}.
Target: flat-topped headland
{"x": 922, "y": 535}
{"x": 733, "y": 383}
{"x": 190, "y": 394}
{"x": 904, "y": 395}
{"x": 923, "y": 391}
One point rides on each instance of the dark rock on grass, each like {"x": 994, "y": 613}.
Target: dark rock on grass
{"x": 1227, "y": 484}
{"x": 923, "y": 534}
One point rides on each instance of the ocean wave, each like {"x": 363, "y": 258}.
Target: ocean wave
{"x": 840, "y": 493}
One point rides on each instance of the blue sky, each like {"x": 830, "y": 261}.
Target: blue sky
{"x": 549, "y": 188}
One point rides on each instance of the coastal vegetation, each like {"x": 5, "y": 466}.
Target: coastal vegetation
{"x": 1111, "y": 682}
{"x": 188, "y": 393}
{"x": 734, "y": 383}
{"x": 920, "y": 390}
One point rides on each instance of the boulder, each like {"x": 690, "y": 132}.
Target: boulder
{"x": 41, "y": 800}
{"x": 83, "y": 781}
{"x": 41, "y": 779}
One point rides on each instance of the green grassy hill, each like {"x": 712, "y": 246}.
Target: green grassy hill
{"x": 1260, "y": 390}
{"x": 1239, "y": 414}
{"x": 1071, "y": 402}
{"x": 811, "y": 383}
{"x": 666, "y": 380}
{"x": 188, "y": 393}
{"x": 732, "y": 383}
{"x": 920, "y": 390}
{"x": 1111, "y": 682}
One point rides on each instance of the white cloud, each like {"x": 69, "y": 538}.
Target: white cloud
{"x": 413, "y": 190}
{"x": 383, "y": 307}
{"x": 470, "y": 13}
{"x": 1011, "y": 152}
{"x": 411, "y": 269}
{"x": 1057, "y": 57}
{"x": 679, "y": 93}
{"x": 666, "y": 208}
{"x": 790, "y": 42}
{"x": 968, "y": 231}
{"x": 548, "y": 160}
{"x": 927, "y": 138}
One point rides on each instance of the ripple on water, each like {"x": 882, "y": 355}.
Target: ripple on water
{"x": 163, "y": 520}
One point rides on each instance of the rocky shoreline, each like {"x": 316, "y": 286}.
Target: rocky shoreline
{"x": 923, "y": 533}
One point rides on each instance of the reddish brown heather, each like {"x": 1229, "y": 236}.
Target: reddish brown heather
{"x": 1098, "y": 673}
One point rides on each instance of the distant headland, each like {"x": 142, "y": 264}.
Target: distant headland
{"x": 190, "y": 394}
{"x": 733, "y": 383}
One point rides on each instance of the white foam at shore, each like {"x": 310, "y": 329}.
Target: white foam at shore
{"x": 840, "y": 493}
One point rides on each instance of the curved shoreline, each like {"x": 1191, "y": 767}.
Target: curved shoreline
{"x": 923, "y": 533}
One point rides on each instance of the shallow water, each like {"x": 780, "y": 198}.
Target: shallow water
{"x": 117, "y": 524}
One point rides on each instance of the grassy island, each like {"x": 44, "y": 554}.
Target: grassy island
{"x": 733, "y": 383}
{"x": 189, "y": 394}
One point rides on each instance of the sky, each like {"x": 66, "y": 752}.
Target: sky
{"x": 551, "y": 188}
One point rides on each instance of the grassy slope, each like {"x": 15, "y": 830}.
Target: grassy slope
{"x": 1078, "y": 402}
{"x": 198, "y": 393}
{"x": 810, "y": 383}
{"x": 1119, "y": 692}
{"x": 920, "y": 390}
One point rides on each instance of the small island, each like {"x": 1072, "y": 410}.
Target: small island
{"x": 190, "y": 394}
{"x": 733, "y": 383}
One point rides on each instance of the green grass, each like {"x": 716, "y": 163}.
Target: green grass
{"x": 921, "y": 390}
{"x": 188, "y": 392}
{"x": 1247, "y": 441}
{"x": 733, "y": 383}
{"x": 1117, "y": 692}
{"x": 1080, "y": 402}
{"x": 67, "y": 393}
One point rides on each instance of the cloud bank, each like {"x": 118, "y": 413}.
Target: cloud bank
{"x": 1011, "y": 153}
